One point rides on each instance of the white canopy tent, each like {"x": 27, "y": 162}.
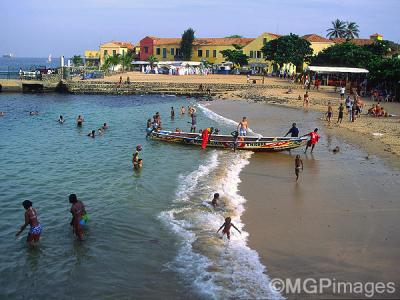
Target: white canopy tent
{"x": 328, "y": 70}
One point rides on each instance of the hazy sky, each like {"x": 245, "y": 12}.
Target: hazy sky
{"x": 36, "y": 28}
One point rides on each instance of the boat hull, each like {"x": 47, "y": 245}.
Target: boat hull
{"x": 256, "y": 144}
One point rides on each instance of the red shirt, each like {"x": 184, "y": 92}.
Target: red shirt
{"x": 314, "y": 137}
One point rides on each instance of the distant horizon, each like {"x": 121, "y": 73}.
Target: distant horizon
{"x": 58, "y": 30}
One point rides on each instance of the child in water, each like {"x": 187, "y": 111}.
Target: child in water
{"x": 31, "y": 219}
{"x": 137, "y": 162}
{"x": 298, "y": 163}
{"x": 214, "y": 202}
{"x": 227, "y": 227}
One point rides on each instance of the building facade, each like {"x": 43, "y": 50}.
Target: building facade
{"x": 92, "y": 57}
{"x": 114, "y": 48}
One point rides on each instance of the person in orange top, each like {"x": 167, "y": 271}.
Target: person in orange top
{"x": 205, "y": 137}
{"x": 313, "y": 140}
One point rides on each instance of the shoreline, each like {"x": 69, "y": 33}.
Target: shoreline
{"x": 334, "y": 223}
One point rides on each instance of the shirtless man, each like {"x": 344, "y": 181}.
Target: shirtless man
{"x": 243, "y": 127}
{"x": 79, "y": 121}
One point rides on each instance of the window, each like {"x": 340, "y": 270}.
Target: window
{"x": 123, "y": 52}
{"x": 158, "y": 51}
{"x": 105, "y": 52}
{"x": 207, "y": 53}
{"x": 214, "y": 53}
{"x": 164, "y": 52}
{"x": 178, "y": 51}
{"x": 264, "y": 40}
{"x": 172, "y": 51}
{"x": 200, "y": 53}
{"x": 259, "y": 54}
{"x": 114, "y": 52}
{"x": 146, "y": 49}
{"x": 251, "y": 54}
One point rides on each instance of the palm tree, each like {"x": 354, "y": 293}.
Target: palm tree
{"x": 126, "y": 61}
{"x": 111, "y": 61}
{"x": 338, "y": 29}
{"x": 152, "y": 59}
{"x": 351, "y": 31}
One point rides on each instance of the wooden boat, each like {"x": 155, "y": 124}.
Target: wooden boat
{"x": 250, "y": 143}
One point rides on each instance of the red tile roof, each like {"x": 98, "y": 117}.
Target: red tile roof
{"x": 315, "y": 38}
{"x": 358, "y": 42}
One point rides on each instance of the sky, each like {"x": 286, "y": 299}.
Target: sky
{"x": 37, "y": 28}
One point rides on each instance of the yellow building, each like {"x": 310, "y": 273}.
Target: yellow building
{"x": 92, "y": 57}
{"x": 114, "y": 48}
{"x": 204, "y": 49}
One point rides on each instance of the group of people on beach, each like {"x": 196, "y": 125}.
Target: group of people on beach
{"x": 79, "y": 219}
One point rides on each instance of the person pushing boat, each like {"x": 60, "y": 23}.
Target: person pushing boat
{"x": 294, "y": 131}
{"x": 314, "y": 137}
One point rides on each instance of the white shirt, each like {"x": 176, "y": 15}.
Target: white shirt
{"x": 342, "y": 90}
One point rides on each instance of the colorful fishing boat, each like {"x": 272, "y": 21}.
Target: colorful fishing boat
{"x": 250, "y": 143}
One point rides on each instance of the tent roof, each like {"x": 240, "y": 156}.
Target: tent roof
{"x": 336, "y": 69}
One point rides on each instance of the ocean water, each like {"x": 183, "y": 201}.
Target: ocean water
{"x": 151, "y": 233}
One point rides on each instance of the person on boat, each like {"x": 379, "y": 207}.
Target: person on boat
{"x": 193, "y": 122}
{"x": 214, "y": 201}
{"x": 61, "y": 120}
{"x": 227, "y": 228}
{"x": 314, "y": 137}
{"x": 294, "y": 131}
{"x": 235, "y": 143}
{"x": 31, "y": 219}
{"x": 172, "y": 112}
{"x": 205, "y": 136}
{"x": 78, "y": 211}
{"x": 340, "y": 115}
{"x": 79, "y": 121}
{"x": 243, "y": 127}
{"x": 298, "y": 163}
{"x": 105, "y": 126}
{"x": 137, "y": 162}
{"x": 92, "y": 134}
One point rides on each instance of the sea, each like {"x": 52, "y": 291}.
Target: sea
{"x": 151, "y": 233}
{"x": 10, "y": 66}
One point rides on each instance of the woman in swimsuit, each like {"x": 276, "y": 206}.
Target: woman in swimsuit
{"x": 31, "y": 219}
{"x": 78, "y": 211}
{"x": 227, "y": 227}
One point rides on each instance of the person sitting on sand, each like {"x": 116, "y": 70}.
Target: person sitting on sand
{"x": 105, "y": 126}
{"x": 313, "y": 140}
{"x": 137, "y": 162}
{"x": 227, "y": 228}
{"x": 215, "y": 199}
{"x": 61, "y": 120}
{"x": 31, "y": 219}
{"x": 78, "y": 211}
{"x": 298, "y": 163}
{"x": 79, "y": 121}
{"x": 294, "y": 131}
{"x": 92, "y": 134}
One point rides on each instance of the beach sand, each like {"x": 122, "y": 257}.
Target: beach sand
{"x": 339, "y": 221}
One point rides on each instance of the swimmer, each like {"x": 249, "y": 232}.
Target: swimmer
{"x": 92, "y": 134}
{"x": 33, "y": 113}
{"x": 31, "y": 219}
{"x": 79, "y": 121}
{"x": 137, "y": 162}
{"x": 298, "y": 163}
{"x": 214, "y": 200}
{"x": 105, "y": 126}
{"x": 100, "y": 131}
{"x": 227, "y": 228}
{"x": 2, "y": 113}
{"x": 172, "y": 112}
{"x": 78, "y": 211}
{"x": 61, "y": 119}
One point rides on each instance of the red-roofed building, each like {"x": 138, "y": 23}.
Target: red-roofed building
{"x": 318, "y": 43}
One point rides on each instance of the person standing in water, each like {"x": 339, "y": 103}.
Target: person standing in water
{"x": 79, "y": 121}
{"x": 242, "y": 127}
{"x": 340, "y": 115}
{"x": 193, "y": 122}
{"x": 298, "y": 163}
{"x": 172, "y": 112}
{"x": 61, "y": 120}
{"x": 313, "y": 140}
{"x": 31, "y": 219}
{"x": 329, "y": 113}
{"x": 294, "y": 131}
{"x": 78, "y": 211}
{"x": 137, "y": 162}
{"x": 227, "y": 228}
{"x": 183, "y": 110}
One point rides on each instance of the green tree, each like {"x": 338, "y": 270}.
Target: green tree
{"x": 338, "y": 29}
{"x": 126, "y": 60}
{"x": 236, "y": 55}
{"x": 288, "y": 49}
{"x": 77, "y": 60}
{"x": 234, "y": 36}
{"x": 351, "y": 30}
{"x": 152, "y": 59}
{"x": 187, "y": 44}
{"x": 111, "y": 62}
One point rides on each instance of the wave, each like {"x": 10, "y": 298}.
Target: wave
{"x": 215, "y": 268}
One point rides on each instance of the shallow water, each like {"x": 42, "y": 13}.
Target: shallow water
{"x": 150, "y": 233}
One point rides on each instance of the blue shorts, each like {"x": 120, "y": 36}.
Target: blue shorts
{"x": 242, "y": 132}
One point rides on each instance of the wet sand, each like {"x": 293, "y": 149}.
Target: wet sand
{"x": 339, "y": 221}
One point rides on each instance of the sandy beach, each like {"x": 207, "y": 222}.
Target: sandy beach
{"x": 339, "y": 221}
